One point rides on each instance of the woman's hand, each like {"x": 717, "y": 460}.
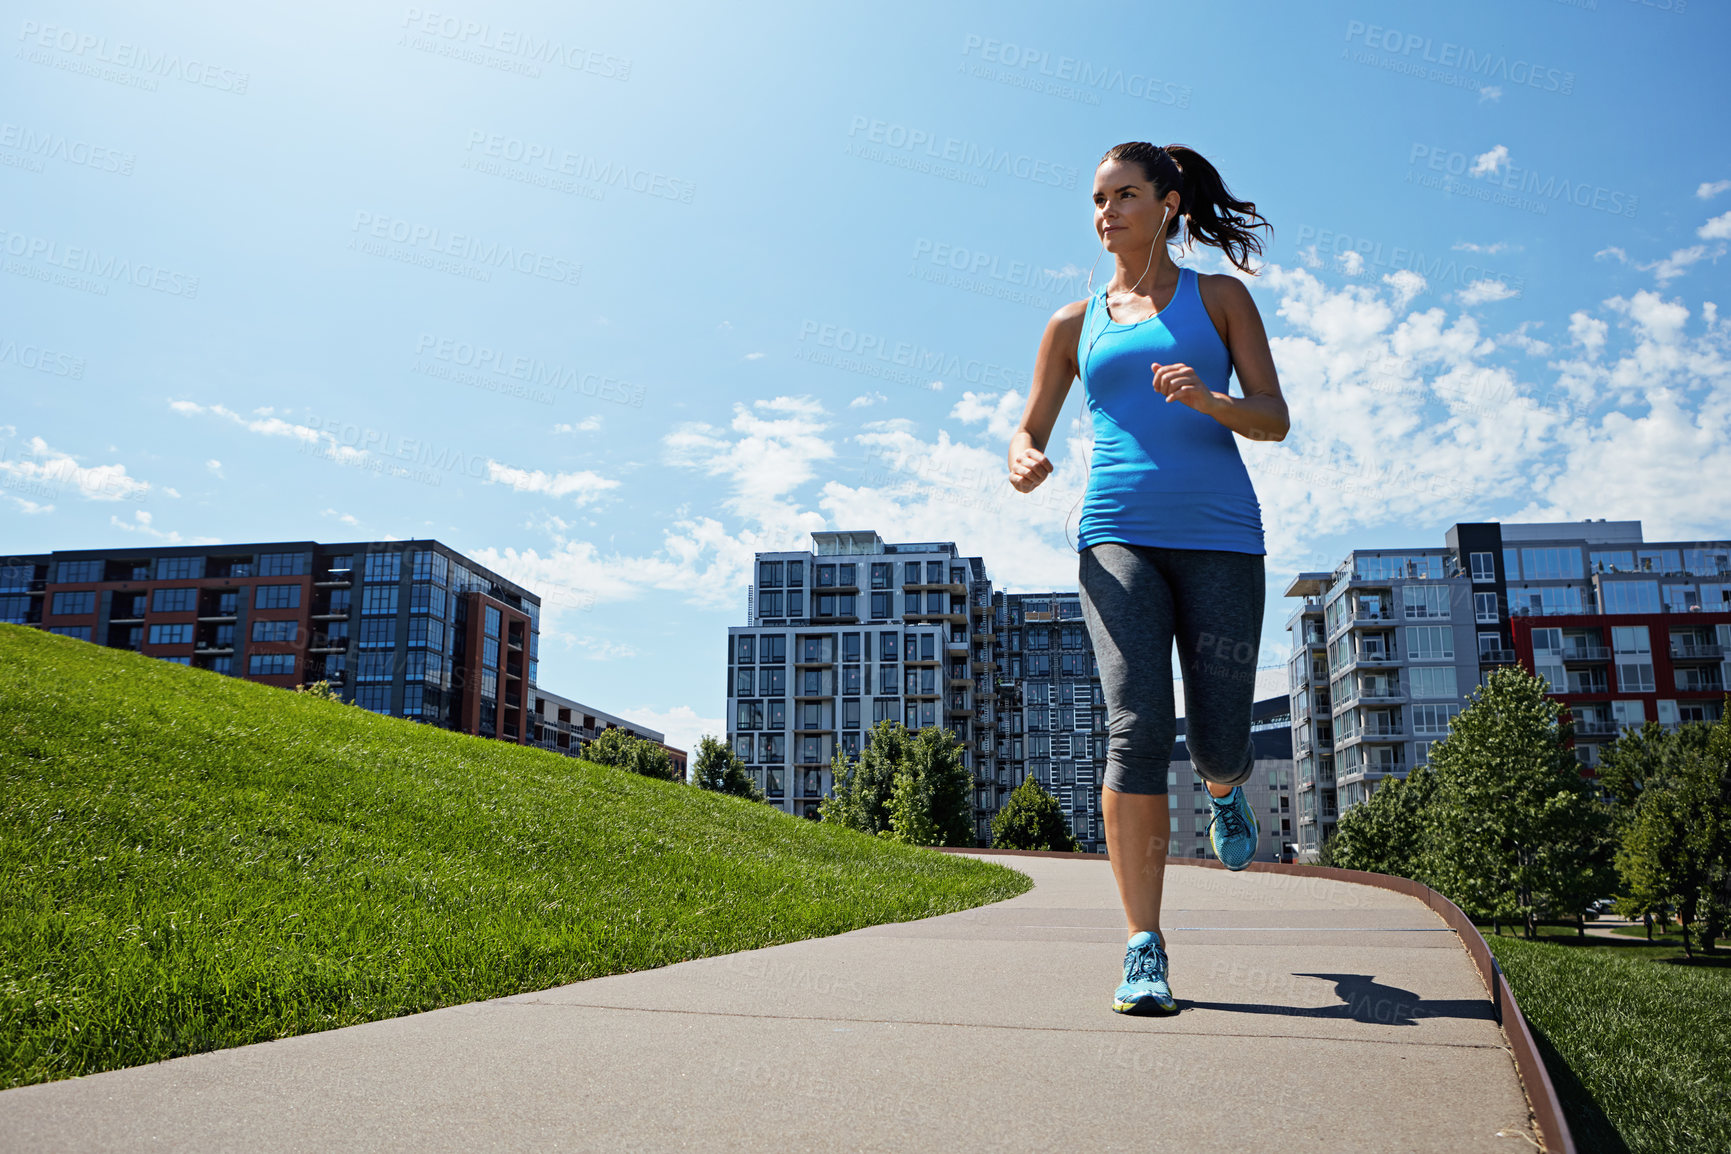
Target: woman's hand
{"x": 1028, "y": 467}
{"x": 1180, "y": 383}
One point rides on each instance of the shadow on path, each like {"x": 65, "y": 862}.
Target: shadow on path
{"x": 1363, "y": 999}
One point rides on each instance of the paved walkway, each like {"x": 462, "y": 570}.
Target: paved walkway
{"x": 1314, "y": 1015}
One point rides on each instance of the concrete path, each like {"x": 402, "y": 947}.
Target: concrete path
{"x": 1314, "y": 1015}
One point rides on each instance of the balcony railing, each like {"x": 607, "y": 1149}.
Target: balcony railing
{"x": 1586, "y": 653}
{"x": 1697, "y": 652}
{"x": 1594, "y": 727}
{"x": 1497, "y": 657}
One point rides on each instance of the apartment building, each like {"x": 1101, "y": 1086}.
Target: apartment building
{"x": 847, "y": 634}
{"x": 566, "y": 726}
{"x": 1051, "y": 711}
{"x": 857, "y": 630}
{"x": 405, "y": 628}
{"x": 1388, "y": 646}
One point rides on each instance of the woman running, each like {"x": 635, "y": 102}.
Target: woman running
{"x": 1171, "y": 531}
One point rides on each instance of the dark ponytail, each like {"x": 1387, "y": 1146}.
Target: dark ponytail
{"x": 1211, "y": 213}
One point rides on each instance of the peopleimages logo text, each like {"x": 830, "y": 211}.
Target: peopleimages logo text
{"x": 1073, "y": 70}
{"x": 953, "y": 151}
{"x": 516, "y": 42}
{"x": 168, "y": 65}
{"x": 1524, "y": 181}
{"x": 1487, "y": 66}
{"x": 465, "y": 247}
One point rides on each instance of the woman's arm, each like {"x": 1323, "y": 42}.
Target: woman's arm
{"x": 1260, "y": 414}
{"x": 1054, "y": 369}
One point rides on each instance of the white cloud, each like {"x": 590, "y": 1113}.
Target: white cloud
{"x": 867, "y": 400}
{"x": 1671, "y": 267}
{"x": 345, "y": 518}
{"x": 1000, "y": 412}
{"x": 1491, "y": 249}
{"x": 141, "y": 524}
{"x": 1490, "y": 92}
{"x": 1351, "y": 262}
{"x": 1588, "y": 331}
{"x": 269, "y": 426}
{"x": 755, "y": 356}
{"x": 1710, "y": 189}
{"x": 214, "y": 465}
{"x": 1482, "y": 291}
{"x": 586, "y": 425}
{"x": 1612, "y": 252}
{"x": 1719, "y": 228}
{"x": 47, "y": 470}
{"x": 585, "y": 485}
{"x": 1487, "y": 163}
{"x": 28, "y": 507}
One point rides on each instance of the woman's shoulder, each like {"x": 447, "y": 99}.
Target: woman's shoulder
{"x": 1068, "y": 320}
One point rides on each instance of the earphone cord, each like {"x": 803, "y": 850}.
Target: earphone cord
{"x": 1083, "y": 367}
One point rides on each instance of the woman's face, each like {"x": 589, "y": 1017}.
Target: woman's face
{"x": 1127, "y": 207}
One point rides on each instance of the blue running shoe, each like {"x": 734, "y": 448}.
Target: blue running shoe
{"x": 1144, "y": 990}
{"x": 1233, "y": 829}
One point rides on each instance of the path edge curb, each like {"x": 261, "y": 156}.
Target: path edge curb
{"x": 1542, "y": 1100}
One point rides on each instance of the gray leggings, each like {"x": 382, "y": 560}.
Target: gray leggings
{"x": 1136, "y": 599}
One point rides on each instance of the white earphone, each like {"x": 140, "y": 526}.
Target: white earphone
{"x": 1160, "y": 235}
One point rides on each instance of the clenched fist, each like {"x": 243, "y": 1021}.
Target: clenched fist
{"x": 1028, "y": 467}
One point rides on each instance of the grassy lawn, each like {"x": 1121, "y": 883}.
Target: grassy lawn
{"x": 190, "y": 861}
{"x": 1633, "y": 1036}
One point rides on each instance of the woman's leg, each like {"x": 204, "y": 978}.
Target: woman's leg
{"x": 1128, "y": 610}
{"x": 1218, "y": 598}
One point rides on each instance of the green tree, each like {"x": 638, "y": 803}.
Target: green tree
{"x": 1511, "y": 822}
{"x": 1388, "y": 833}
{"x": 860, "y": 791}
{"x": 1031, "y": 819}
{"x": 620, "y": 750}
{"x": 910, "y": 787}
{"x": 717, "y": 767}
{"x": 1674, "y": 824}
{"x": 321, "y": 689}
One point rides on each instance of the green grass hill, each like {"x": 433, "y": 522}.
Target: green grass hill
{"x": 190, "y": 861}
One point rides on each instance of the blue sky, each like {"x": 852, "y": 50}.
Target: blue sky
{"x": 611, "y": 298}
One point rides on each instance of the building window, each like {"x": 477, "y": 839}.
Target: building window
{"x": 76, "y": 572}
{"x": 77, "y": 632}
{"x": 1433, "y": 681}
{"x": 1630, "y": 596}
{"x": 745, "y": 684}
{"x": 1430, "y": 642}
{"x": 1559, "y": 564}
{"x": 179, "y": 568}
{"x": 274, "y": 632}
{"x": 281, "y": 564}
{"x": 171, "y": 634}
{"x": 1427, "y": 601}
{"x": 384, "y": 567}
{"x": 376, "y": 698}
{"x": 271, "y": 664}
{"x": 277, "y": 597}
{"x": 1485, "y": 608}
{"x": 173, "y": 600}
{"x": 745, "y": 647}
{"x": 880, "y": 575}
{"x": 73, "y": 604}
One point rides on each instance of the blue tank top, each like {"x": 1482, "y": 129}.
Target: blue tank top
{"x": 1162, "y": 474}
